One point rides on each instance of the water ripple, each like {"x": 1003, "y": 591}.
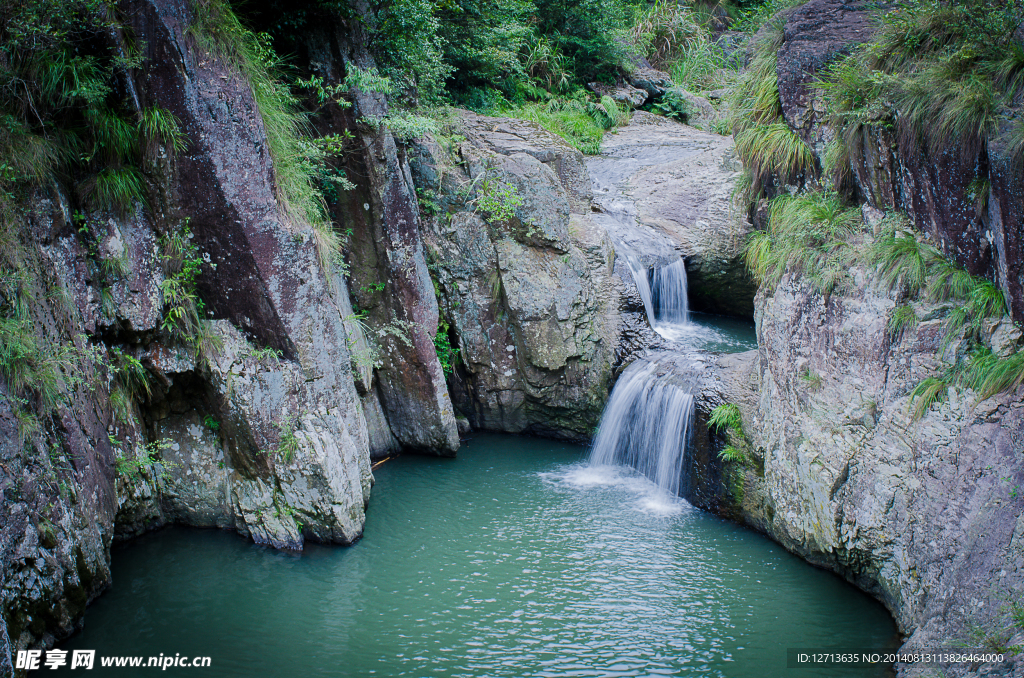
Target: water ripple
{"x": 514, "y": 560}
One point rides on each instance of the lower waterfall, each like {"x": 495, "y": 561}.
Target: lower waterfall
{"x": 648, "y": 422}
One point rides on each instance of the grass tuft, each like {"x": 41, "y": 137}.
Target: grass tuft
{"x": 930, "y": 391}
{"x": 901, "y": 319}
{"x": 808, "y": 233}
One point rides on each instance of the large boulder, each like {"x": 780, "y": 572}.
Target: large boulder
{"x": 532, "y": 301}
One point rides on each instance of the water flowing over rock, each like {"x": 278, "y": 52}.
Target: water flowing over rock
{"x": 665, "y": 190}
{"x": 664, "y": 291}
{"x": 649, "y": 420}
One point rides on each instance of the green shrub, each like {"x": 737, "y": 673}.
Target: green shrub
{"x": 147, "y": 458}
{"x": 498, "y": 201}
{"x": 726, "y": 418}
{"x": 288, "y": 442}
{"x": 447, "y": 355}
{"x": 660, "y": 30}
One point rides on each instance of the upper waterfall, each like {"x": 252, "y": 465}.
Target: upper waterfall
{"x": 664, "y": 293}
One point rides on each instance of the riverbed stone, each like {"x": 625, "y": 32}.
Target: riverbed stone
{"x": 681, "y": 181}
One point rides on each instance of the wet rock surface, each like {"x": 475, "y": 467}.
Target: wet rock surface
{"x": 672, "y": 185}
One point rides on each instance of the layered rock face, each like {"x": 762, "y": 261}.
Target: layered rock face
{"x": 387, "y": 266}
{"x": 289, "y": 454}
{"x": 926, "y": 515}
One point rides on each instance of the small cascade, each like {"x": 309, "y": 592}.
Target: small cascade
{"x": 664, "y": 293}
{"x": 648, "y": 421}
{"x": 669, "y": 294}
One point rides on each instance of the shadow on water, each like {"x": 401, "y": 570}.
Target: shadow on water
{"x": 514, "y": 559}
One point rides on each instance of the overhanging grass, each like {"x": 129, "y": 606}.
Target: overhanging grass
{"x": 809, "y": 234}
{"x": 941, "y": 72}
{"x": 770, "y": 150}
{"x": 219, "y": 31}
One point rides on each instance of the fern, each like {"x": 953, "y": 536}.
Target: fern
{"x": 726, "y": 416}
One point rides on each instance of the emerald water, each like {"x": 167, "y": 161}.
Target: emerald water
{"x": 515, "y": 559}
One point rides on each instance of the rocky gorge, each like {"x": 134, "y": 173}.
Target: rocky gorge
{"x": 500, "y": 240}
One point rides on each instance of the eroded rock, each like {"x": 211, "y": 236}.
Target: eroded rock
{"x": 922, "y": 514}
{"x": 533, "y": 301}
{"x": 678, "y": 183}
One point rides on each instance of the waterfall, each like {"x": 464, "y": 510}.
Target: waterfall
{"x": 663, "y": 290}
{"x": 648, "y": 421}
{"x": 669, "y": 295}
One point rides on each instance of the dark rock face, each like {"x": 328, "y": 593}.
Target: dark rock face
{"x": 1006, "y": 222}
{"x": 923, "y": 515}
{"x": 815, "y": 34}
{"x": 389, "y": 274}
{"x": 934, "y": 186}
{"x": 59, "y": 503}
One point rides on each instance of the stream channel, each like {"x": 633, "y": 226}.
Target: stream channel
{"x": 520, "y": 557}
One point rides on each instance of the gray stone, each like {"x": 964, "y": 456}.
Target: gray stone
{"x": 534, "y": 301}
{"x": 622, "y": 93}
{"x": 921, "y": 514}
{"x": 650, "y": 80}
{"x": 676, "y": 183}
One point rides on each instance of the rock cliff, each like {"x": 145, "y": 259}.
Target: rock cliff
{"x": 925, "y": 515}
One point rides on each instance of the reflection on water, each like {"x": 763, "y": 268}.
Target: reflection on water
{"x": 514, "y": 559}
